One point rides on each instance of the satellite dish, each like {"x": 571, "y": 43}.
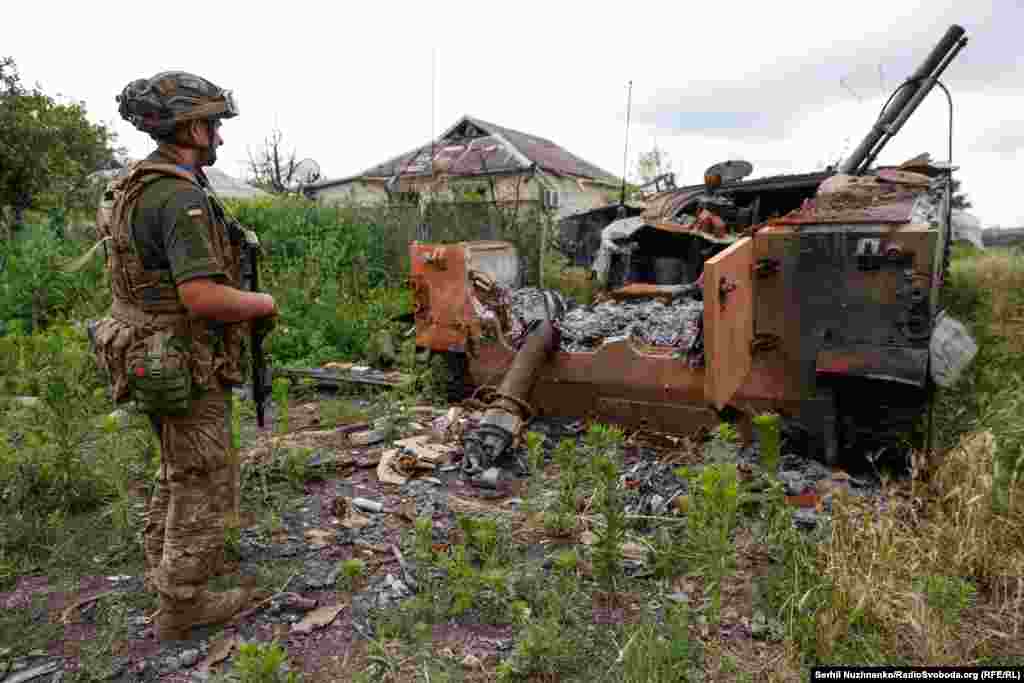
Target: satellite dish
{"x": 729, "y": 171}
{"x": 305, "y": 172}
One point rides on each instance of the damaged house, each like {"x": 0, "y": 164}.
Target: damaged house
{"x": 478, "y": 161}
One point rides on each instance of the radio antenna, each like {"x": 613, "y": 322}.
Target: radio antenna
{"x": 433, "y": 106}
{"x": 625, "y": 150}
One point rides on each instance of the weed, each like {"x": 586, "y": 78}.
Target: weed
{"x": 948, "y": 595}
{"x": 570, "y": 476}
{"x": 669, "y": 554}
{"x": 655, "y": 657}
{"x": 423, "y": 540}
{"x": 236, "y": 422}
{"x": 279, "y": 394}
{"x": 566, "y": 561}
{"x": 351, "y": 571}
{"x": 711, "y": 518}
{"x": 601, "y": 439}
{"x": 96, "y": 663}
{"x": 263, "y": 663}
{"x": 558, "y": 523}
{"x": 768, "y": 430}
{"x": 535, "y": 460}
{"x": 339, "y": 411}
{"x": 610, "y": 536}
{"x": 296, "y": 467}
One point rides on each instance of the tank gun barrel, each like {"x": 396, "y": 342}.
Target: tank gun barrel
{"x": 906, "y": 101}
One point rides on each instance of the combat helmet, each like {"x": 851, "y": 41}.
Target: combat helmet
{"x": 156, "y": 105}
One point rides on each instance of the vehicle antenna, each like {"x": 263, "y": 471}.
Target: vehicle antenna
{"x": 625, "y": 150}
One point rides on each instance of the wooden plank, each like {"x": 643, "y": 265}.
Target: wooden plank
{"x": 728, "y": 320}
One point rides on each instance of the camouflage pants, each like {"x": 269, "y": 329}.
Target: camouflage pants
{"x": 185, "y": 520}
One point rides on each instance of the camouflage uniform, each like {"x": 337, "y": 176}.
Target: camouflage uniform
{"x": 184, "y": 533}
{"x": 164, "y": 227}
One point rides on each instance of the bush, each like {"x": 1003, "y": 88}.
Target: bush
{"x": 34, "y": 288}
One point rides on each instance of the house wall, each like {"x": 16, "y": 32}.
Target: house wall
{"x": 577, "y": 196}
{"x": 574, "y": 196}
{"x": 359, "y": 192}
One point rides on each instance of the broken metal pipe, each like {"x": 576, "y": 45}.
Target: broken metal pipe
{"x": 508, "y": 412}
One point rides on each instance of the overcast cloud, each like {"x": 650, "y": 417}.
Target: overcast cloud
{"x": 789, "y": 86}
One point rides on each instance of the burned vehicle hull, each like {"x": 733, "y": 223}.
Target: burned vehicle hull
{"x": 796, "y": 319}
{"x": 817, "y": 297}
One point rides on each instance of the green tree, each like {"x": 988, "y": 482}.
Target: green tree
{"x": 960, "y": 200}
{"x": 652, "y": 164}
{"x": 48, "y": 149}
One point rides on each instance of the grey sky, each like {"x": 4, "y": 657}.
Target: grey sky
{"x": 349, "y": 84}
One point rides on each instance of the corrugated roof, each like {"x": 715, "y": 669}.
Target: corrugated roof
{"x": 473, "y": 147}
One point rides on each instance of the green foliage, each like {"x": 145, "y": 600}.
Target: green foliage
{"x": 279, "y": 394}
{"x": 47, "y": 148}
{"x": 669, "y": 554}
{"x": 263, "y": 663}
{"x": 35, "y": 291}
{"x": 570, "y": 476}
{"x": 949, "y": 595}
{"x": 711, "y": 518}
{"x": 554, "y": 636}
{"x": 58, "y": 455}
{"x": 606, "y": 440}
{"x": 656, "y": 657}
{"x": 351, "y": 570}
{"x": 535, "y": 460}
{"x": 768, "y": 430}
{"x": 795, "y": 589}
{"x": 610, "y": 536}
{"x": 112, "y": 621}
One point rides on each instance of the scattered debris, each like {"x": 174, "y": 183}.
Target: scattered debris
{"x": 318, "y": 618}
{"x": 219, "y": 651}
{"x": 34, "y": 672}
{"x": 424, "y": 450}
{"x": 65, "y": 617}
{"x": 320, "y": 538}
{"x": 369, "y": 437}
{"x": 368, "y": 505}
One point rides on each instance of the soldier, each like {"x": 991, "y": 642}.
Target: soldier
{"x": 172, "y": 339}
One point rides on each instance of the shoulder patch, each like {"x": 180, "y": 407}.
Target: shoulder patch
{"x": 195, "y": 213}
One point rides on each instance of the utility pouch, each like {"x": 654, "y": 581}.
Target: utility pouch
{"x": 158, "y": 369}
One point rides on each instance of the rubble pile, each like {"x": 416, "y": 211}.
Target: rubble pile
{"x": 585, "y": 328}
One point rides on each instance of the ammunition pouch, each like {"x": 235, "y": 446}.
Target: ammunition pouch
{"x": 158, "y": 370}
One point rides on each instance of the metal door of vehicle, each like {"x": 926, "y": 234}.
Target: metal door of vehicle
{"x": 728, "y": 320}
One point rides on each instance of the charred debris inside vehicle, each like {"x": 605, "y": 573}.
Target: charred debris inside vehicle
{"x": 815, "y": 296}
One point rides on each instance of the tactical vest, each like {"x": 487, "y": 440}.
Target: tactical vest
{"x": 146, "y": 308}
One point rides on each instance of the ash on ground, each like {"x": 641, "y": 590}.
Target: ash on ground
{"x": 586, "y": 328}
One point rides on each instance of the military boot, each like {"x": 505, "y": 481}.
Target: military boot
{"x": 178, "y": 617}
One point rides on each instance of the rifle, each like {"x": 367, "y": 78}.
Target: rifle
{"x": 259, "y": 370}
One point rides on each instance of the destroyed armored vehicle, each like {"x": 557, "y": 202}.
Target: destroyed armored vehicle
{"x": 812, "y": 296}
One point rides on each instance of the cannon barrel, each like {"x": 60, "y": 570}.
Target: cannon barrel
{"x": 508, "y": 412}
{"x": 905, "y": 101}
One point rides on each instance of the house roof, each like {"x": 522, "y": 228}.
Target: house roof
{"x": 475, "y": 147}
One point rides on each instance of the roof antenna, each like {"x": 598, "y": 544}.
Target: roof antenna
{"x": 625, "y": 151}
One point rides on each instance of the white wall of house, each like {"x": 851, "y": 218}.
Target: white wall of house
{"x": 574, "y": 196}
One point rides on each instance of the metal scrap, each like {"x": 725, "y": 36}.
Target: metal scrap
{"x": 585, "y": 328}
